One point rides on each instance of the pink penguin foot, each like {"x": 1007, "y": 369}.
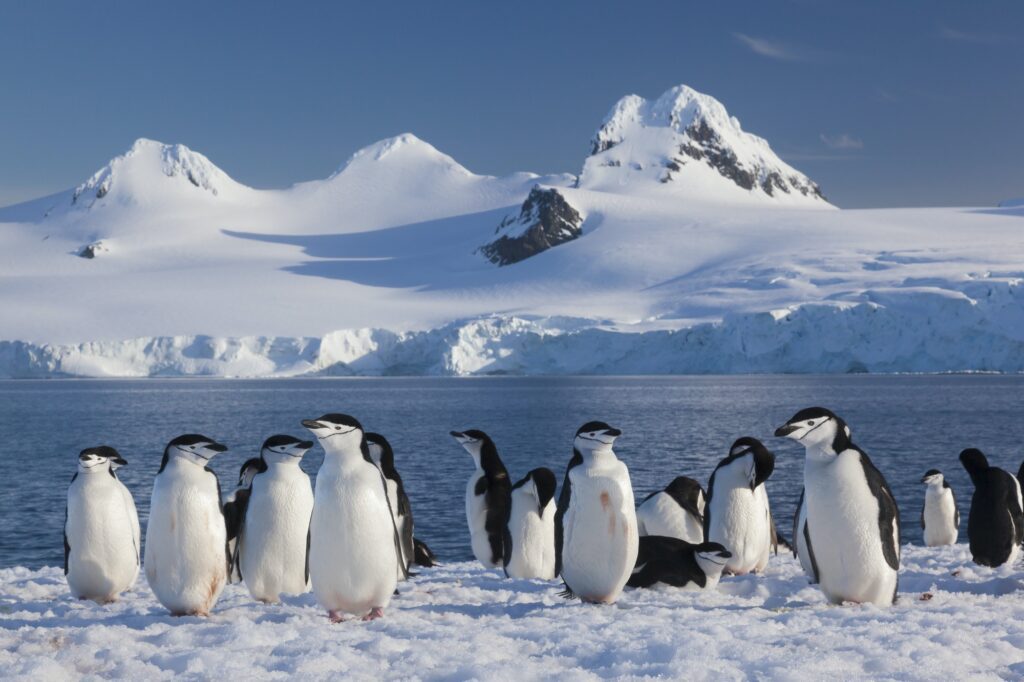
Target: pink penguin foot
{"x": 336, "y": 616}
{"x": 375, "y": 613}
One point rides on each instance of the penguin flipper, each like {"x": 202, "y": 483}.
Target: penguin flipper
{"x": 67, "y": 547}
{"x": 507, "y": 549}
{"x": 888, "y": 512}
{"x": 810, "y": 551}
{"x": 309, "y": 537}
{"x": 796, "y": 524}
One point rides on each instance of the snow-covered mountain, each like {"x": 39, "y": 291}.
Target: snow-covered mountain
{"x": 686, "y": 143}
{"x": 404, "y": 261}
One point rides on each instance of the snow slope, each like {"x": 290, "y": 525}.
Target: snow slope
{"x": 378, "y": 268}
{"x": 954, "y": 620}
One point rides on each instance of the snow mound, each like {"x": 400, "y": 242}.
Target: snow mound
{"x": 953, "y": 620}
{"x": 686, "y": 142}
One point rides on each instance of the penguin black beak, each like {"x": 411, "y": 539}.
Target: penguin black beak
{"x": 784, "y": 430}
{"x": 119, "y": 460}
{"x": 614, "y": 433}
{"x": 312, "y": 424}
{"x": 725, "y": 555}
{"x": 456, "y": 434}
{"x": 305, "y": 445}
{"x": 216, "y": 447}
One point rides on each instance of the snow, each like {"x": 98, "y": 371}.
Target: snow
{"x": 459, "y": 621}
{"x": 377, "y": 270}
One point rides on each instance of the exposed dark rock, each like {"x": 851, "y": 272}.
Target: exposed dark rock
{"x": 545, "y": 220}
{"x": 598, "y": 145}
{"x": 102, "y": 191}
{"x": 92, "y": 250}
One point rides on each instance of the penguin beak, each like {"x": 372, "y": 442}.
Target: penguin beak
{"x": 785, "y": 430}
{"x": 614, "y": 433}
{"x": 216, "y": 447}
{"x": 725, "y": 554}
{"x": 119, "y": 460}
{"x": 304, "y": 445}
{"x": 312, "y": 424}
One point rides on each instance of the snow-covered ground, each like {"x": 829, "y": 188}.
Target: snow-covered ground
{"x": 954, "y": 620}
{"x": 700, "y": 251}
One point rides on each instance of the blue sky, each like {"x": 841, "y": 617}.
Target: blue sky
{"x": 884, "y": 104}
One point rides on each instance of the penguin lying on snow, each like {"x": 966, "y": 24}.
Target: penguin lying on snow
{"x": 101, "y": 529}
{"x": 995, "y": 524}
{"x": 940, "y": 519}
{"x": 737, "y": 513}
{"x": 384, "y": 457}
{"x": 273, "y": 526}
{"x": 852, "y": 529}
{"x": 354, "y": 546}
{"x": 234, "y": 510}
{"x": 595, "y": 527}
{"x": 530, "y": 532}
{"x": 487, "y": 497}
{"x": 186, "y": 536}
{"x": 678, "y": 563}
{"x": 675, "y": 512}
{"x": 422, "y": 555}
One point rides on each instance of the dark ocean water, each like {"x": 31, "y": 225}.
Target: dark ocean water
{"x": 671, "y": 425}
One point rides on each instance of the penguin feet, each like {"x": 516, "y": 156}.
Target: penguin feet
{"x": 375, "y": 613}
{"x": 336, "y": 616}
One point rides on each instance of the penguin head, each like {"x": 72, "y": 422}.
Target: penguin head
{"x": 711, "y": 557}
{"x": 284, "y": 449}
{"x": 381, "y": 451}
{"x": 816, "y": 427}
{"x": 194, "y": 448}
{"x": 249, "y": 469}
{"x": 473, "y": 440}
{"x": 933, "y": 477}
{"x": 974, "y": 461}
{"x": 758, "y": 461}
{"x": 594, "y": 437}
{"x": 101, "y": 458}
{"x": 539, "y": 485}
{"x": 336, "y": 430}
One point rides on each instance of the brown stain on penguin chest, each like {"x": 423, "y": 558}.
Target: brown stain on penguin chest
{"x": 606, "y": 504}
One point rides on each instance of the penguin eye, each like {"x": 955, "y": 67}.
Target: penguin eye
{"x": 810, "y": 422}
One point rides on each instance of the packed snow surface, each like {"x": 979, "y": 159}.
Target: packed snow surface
{"x": 377, "y": 269}
{"x": 954, "y": 620}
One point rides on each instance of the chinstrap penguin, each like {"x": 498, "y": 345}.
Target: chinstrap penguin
{"x": 101, "y": 529}
{"x": 384, "y": 457}
{"x": 234, "y": 509}
{"x": 596, "y": 535}
{"x": 737, "y": 514}
{"x": 675, "y": 562}
{"x": 940, "y": 518}
{"x": 422, "y": 554}
{"x": 530, "y": 533}
{"x": 488, "y": 497}
{"x": 852, "y": 529}
{"x": 186, "y": 558}
{"x": 675, "y": 512}
{"x": 354, "y": 546}
{"x": 273, "y": 527}
{"x": 995, "y": 524}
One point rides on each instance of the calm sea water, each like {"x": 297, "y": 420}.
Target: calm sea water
{"x": 672, "y": 426}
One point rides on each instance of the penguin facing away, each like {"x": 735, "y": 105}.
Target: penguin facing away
{"x": 530, "y": 532}
{"x": 737, "y": 514}
{"x": 186, "y": 557}
{"x": 995, "y": 524}
{"x": 940, "y": 518}
{"x": 675, "y": 562}
{"x": 354, "y": 546}
{"x": 273, "y": 533}
{"x": 852, "y": 525}
{"x": 101, "y": 529}
{"x": 234, "y": 510}
{"x": 488, "y": 497}
{"x": 384, "y": 456}
{"x": 596, "y": 538}
{"x": 677, "y": 511}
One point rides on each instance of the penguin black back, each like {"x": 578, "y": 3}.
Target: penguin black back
{"x": 995, "y": 524}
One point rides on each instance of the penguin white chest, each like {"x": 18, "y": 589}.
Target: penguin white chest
{"x": 939, "y": 517}
{"x": 476, "y": 518}
{"x": 102, "y": 533}
{"x": 352, "y": 556}
{"x": 533, "y": 538}
{"x": 741, "y": 520}
{"x": 186, "y": 540}
{"x": 662, "y": 515}
{"x": 600, "y": 538}
{"x": 272, "y": 554}
{"x": 843, "y": 522}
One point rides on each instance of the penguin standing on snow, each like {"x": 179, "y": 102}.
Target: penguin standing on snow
{"x": 675, "y": 562}
{"x": 273, "y": 526}
{"x": 852, "y": 529}
{"x": 530, "y": 533}
{"x": 384, "y": 457}
{"x": 101, "y": 529}
{"x": 354, "y": 551}
{"x": 488, "y": 497}
{"x": 675, "y": 512}
{"x": 940, "y": 519}
{"x": 737, "y": 514}
{"x": 995, "y": 524}
{"x": 596, "y": 538}
{"x": 234, "y": 510}
{"x": 186, "y": 537}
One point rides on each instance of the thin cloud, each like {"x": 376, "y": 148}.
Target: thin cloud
{"x": 958, "y": 36}
{"x": 768, "y": 48}
{"x": 841, "y": 141}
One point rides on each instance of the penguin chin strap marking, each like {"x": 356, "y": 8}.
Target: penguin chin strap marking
{"x": 335, "y": 433}
{"x": 191, "y": 452}
{"x": 596, "y": 440}
{"x": 815, "y": 428}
